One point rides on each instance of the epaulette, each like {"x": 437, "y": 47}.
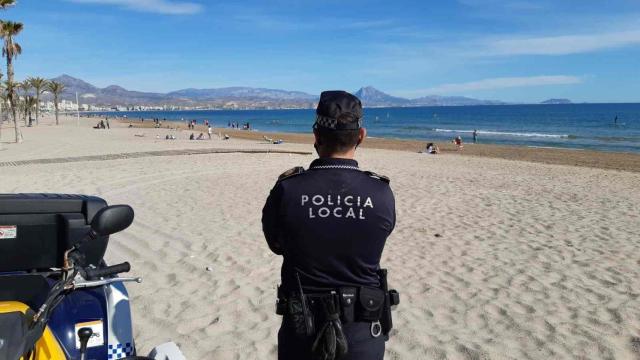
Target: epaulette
{"x": 291, "y": 173}
{"x": 379, "y": 177}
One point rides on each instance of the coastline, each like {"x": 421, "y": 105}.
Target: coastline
{"x": 555, "y": 156}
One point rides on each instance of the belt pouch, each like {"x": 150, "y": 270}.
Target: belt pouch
{"x": 299, "y": 320}
{"x": 348, "y": 297}
{"x": 371, "y": 301}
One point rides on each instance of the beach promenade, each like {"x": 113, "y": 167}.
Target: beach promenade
{"x": 494, "y": 258}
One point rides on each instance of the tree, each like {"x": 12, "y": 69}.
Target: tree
{"x": 2, "y": 105}
{"x": 4, "y": 4}
{"x": 28, "y": 104}
{"x": 39, "y": 86}
{"x": 12, "y": 88}
{"x": 11, "y": 50}
{"x": 56, "y": 88}
{"x": 25, "y": 88}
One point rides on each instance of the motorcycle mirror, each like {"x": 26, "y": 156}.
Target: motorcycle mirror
{"x": 112, "y": 219}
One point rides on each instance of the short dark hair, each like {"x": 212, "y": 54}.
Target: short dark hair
{"x": 336, "y": 141}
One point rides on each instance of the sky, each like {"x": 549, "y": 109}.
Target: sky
{"x": 510, "y": 50}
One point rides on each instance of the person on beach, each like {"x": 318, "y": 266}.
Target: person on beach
{"x": 432, "y": 149}
{"x": 458, "y": 142}
{"x": 107, "y": 122}
{"x": 209, "y": 131}
{"x": 475, "y": 136}
{"x": 330, "y": 223}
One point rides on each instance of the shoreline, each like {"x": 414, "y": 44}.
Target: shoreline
{"x": 554, "y": 156}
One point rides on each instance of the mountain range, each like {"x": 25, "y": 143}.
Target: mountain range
{"x": 241, "y": 97}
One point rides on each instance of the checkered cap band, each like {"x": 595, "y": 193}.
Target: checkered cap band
{"x": 333, "y": 124}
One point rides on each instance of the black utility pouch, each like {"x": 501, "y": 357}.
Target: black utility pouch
{"x": 348, "y": 297}
{"x": 371, "y": 302}
{"x": 297, "y": 317}
{"x": 394, "y": 297}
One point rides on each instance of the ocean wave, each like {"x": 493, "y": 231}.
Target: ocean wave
{"x": 416, "y": 127}
{"x": 617, "y": 139}
{"x": 506, "y": 133}
{"x": 554, "y": 147}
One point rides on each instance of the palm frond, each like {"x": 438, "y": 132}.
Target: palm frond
{"x": 6, "y": 3}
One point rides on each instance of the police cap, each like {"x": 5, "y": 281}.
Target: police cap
{"x": 338, "y": 110}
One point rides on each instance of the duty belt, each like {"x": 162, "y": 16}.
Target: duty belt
{"x": 351, "y": 304}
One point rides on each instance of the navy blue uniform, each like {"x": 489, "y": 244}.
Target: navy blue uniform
{"x": 330, "y": 223}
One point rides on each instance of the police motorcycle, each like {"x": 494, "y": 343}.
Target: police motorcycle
{"x": 58, "y": 298}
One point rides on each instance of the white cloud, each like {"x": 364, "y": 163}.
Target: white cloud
{"x": 280, "y": 23}
{"x": 500, "y": 83}
{"x": 564, "y": 45}
{"x": 167, "y": 7}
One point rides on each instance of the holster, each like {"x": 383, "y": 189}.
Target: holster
{"x": 391, "y": 298}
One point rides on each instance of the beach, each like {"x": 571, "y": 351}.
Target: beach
{"x": 498, "y": 253}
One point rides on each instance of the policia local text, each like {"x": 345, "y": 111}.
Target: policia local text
{"x": 348, "y": 207}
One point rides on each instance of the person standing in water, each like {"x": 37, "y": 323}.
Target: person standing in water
{"x": 475, "y": 136}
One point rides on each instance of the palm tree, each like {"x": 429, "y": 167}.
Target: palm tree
{"x": 12, "y": 88}
{"x": 29, "y": 103}
{"x": 4, "y": 100}
{"x": 22, "y": 109}
{"x": 2, "y": 103}
{"x": 25, "y": 87}
{"x": 39, "y": 86}
{"x": 56, "y": 88}
{"x": 10, "y": 50}
{"x": 4, "y": 4}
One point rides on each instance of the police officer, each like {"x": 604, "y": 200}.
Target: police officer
{"x": 330, "y": 223}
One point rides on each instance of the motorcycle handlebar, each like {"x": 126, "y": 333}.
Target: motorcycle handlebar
{"x": 108, "y": 270}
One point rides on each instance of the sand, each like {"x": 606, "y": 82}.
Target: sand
{"x": 532, "y": 261}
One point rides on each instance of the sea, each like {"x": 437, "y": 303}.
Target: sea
{"x": 601, "y": 127}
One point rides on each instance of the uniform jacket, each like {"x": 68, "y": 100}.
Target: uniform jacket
{"x": 330, "y": 223}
